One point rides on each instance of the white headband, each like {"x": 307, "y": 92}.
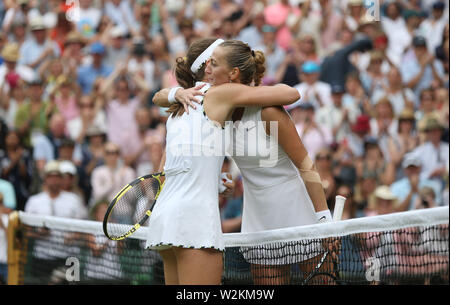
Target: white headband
{"x": 205, "y": 55}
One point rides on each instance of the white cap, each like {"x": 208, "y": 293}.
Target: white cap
{"x": 67, "y": 167}
{"x": 117, "y": 31}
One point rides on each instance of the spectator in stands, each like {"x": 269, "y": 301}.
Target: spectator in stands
{"x": 87, "y": 74}
{"x": 434, "y": 153}
{"x": 93, "y": 156}
{"x": 253, "y": 34}
{"x": 140, "y": 63}
{"x": 407, "y": 188}
{"x": 69, "y": 175}
{"x": 33, "y": 116}
{"x": 8, "y": 194}
{"x": 273, "y": 52}
{"x": 116, "y": 49}
{"x": 311, "y": 89}
{"x": 11, "y": 101}
{"x": 383, "y": 125}
{"x": 404, "y": 140}
{"x": 53, "y": 200}
{"x": 432, "y": 28}
{"x": 90, "y": 17}
{"x": 313, "y": 136}
{"x": 426, "y": 198}
{"x": 396, "y": 92}
{"x": 10, "y": 71}
{"x": 107, "y": 180}
{"x": 384, "y": 202}
{"x": 337, "y": 117}
{"x": 419, "y": 68}
{"x": 374, "y": 164}
{"x": 120, "y": 12}
{"x": 4, "y": 212}
{"x": 37, "y": 49}
{"x": 89, "y": 115}
{"x": 427, "y": 107}
{"x": 121, "y": 107}
{"x": 64, "y": 96}
{"x": 353, "y": 144}
{"x": 16, "y": 167}
{"x": 373, "y": 78}
{"x": 442, "y": 52}
{"x": 139, "y": 154}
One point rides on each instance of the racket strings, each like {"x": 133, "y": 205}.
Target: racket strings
{"x": 132, "y": 205}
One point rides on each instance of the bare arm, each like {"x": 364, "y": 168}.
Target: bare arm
{"x": 291, "y": 143}
{"x": 238, "y": 95}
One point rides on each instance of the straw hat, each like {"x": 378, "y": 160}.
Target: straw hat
{"x": 52, "y": 168}
{"x": 432, "y": 123}
{"x": 407, "y": 114}
{"x": 74, "y": 37}
{"x": 384, "y": 192}
{"x": 10, "y": 52}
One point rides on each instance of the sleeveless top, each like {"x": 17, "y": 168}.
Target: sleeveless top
{"x": 186, "y": 213}
{"x": 275, "y": 195}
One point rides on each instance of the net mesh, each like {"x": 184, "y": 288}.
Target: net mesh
{"x": 402, "y": 248}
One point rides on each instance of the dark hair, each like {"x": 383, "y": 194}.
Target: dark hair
{"x": 185, "y": 77}
{"x": 251, "y": 64}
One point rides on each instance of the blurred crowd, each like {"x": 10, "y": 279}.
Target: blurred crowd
{"x": 77, "y": 78}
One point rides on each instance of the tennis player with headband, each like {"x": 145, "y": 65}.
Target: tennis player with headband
{"x": 185, "y": 225}
{"x": 266, "y": 205}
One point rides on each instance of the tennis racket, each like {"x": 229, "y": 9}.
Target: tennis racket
{"x": 337, "y": 215}
{"x": 132, "y": 206}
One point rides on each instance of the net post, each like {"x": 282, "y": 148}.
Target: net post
{"x": 14, "y": 249}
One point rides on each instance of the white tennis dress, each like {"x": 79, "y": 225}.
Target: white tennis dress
{"x": 186, "y": 213}
{"x": 275, "y": 195}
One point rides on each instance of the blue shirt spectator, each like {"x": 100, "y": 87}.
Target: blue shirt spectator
{"x": 37, "y": 49}
{"x": 9, "y": 195}
{"x": 409, "y": 186}
{"x": 89, "y": 73}
{"x": 419, "y": 69}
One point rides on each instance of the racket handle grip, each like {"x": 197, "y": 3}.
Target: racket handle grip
{"x": 338, "y": 208}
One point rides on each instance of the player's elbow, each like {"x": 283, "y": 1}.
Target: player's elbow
{"x": 291, "y": 94}
{"x": 294, "y": 95}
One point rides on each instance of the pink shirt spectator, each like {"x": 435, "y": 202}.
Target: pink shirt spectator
{"x": 314, "y": 139}
{"x": 122, "y": 126}
{"x": 68, "y": 108}
{"x": 106, "y": 182}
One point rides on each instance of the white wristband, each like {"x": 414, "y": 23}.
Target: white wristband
{"x": 324, "y": 216}
{"x": 172, "y": 93}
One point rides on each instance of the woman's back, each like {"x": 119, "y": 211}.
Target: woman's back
{"x": 275, "y": 195}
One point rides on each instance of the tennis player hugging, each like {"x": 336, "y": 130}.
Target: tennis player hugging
{"x": 185, "y": 226}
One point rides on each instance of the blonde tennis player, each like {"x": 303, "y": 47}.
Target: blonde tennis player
{"x": 267, "y": 180}
{"x": 185, "y": 225}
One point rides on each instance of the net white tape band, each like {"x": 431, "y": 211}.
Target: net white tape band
{"x": 416, "y": 218}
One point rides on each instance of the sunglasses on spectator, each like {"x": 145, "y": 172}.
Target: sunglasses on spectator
{"x": 112, "y": 152}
